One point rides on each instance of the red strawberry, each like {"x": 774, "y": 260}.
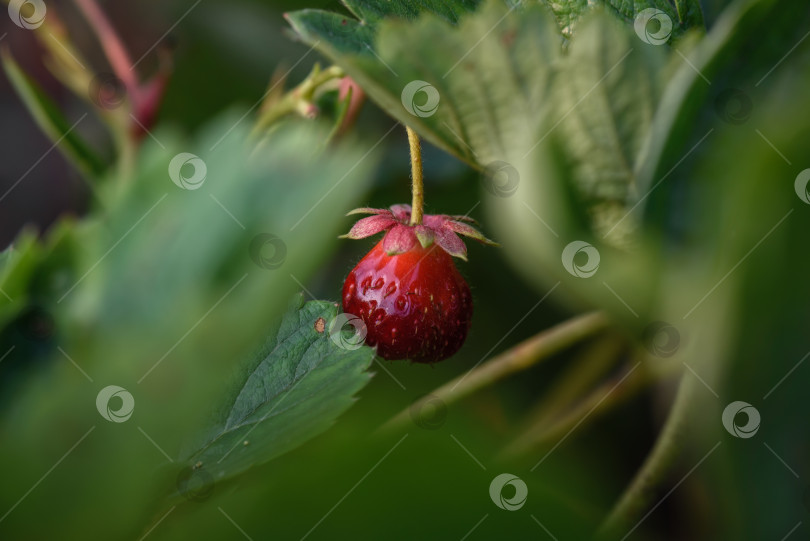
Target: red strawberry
{"x": 407, "y": 290}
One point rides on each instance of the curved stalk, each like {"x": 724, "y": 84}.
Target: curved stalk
{"x": 578, "y": 380}
{"x": 601, "y": 401}
{"x": 658, "y": 464}
{"x": 524, "y": 355}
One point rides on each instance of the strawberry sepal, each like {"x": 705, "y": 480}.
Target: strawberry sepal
{"x": 401, "y": 236}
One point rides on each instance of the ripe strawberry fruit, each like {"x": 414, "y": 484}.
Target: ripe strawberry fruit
{"x": 407, "y": 290}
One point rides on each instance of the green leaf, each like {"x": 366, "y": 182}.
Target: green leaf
{"x": 504, "y": 86}
{"x": 32, "y": 269}
{"x": 567, "y": 13}
{"x": 606, "y": 94}
{"x": 168, "y": 292}
{"x": 492, "y": 73}
{"x": 680, "y": 104}
{"x": 493, "y": 70}
{"x": 685, "y": 14}
{"x": 51, "y": 120}
{"x": 373, "y": 11}
{"x": 302, "y": 382}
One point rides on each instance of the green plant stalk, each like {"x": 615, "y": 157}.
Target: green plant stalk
{"x": 658, "y": 464}
{"x": 127, "y": 150}
{"x": 598, "y": 402}
{"x": 580, "y": 375}
{"x": 565, "y": 395}
{"x": 66, "y": 63}
{"x": 418, "y": 185}
{"x": 49, "y": 118}
{"x": 524, "y": 355}
{"x": 298, "y": 100}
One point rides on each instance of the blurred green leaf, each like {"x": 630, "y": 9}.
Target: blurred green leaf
{"x": 688, "y": 88}
{"x": 32, "y": 269}
{"x": 606, "y": 94}
{"x": 736, "y": 228}
{"x": 170, "y": 288}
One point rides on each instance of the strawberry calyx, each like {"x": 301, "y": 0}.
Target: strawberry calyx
{"x": 401, "y": 236}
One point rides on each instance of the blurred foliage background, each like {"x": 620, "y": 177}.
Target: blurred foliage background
{"x": 725, "y": 222}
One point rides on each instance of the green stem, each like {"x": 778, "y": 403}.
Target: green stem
{"x": 579, "y": 378}
{"x": 126, "y": 158}
{"x": 298, "y": 100}
{"x": 580, "y": 375}
{"x": 417, "y": 187}
{"x": 601, "y": 401}
{"x": 658, "y": 464}
{"x": 526, "y": 354}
